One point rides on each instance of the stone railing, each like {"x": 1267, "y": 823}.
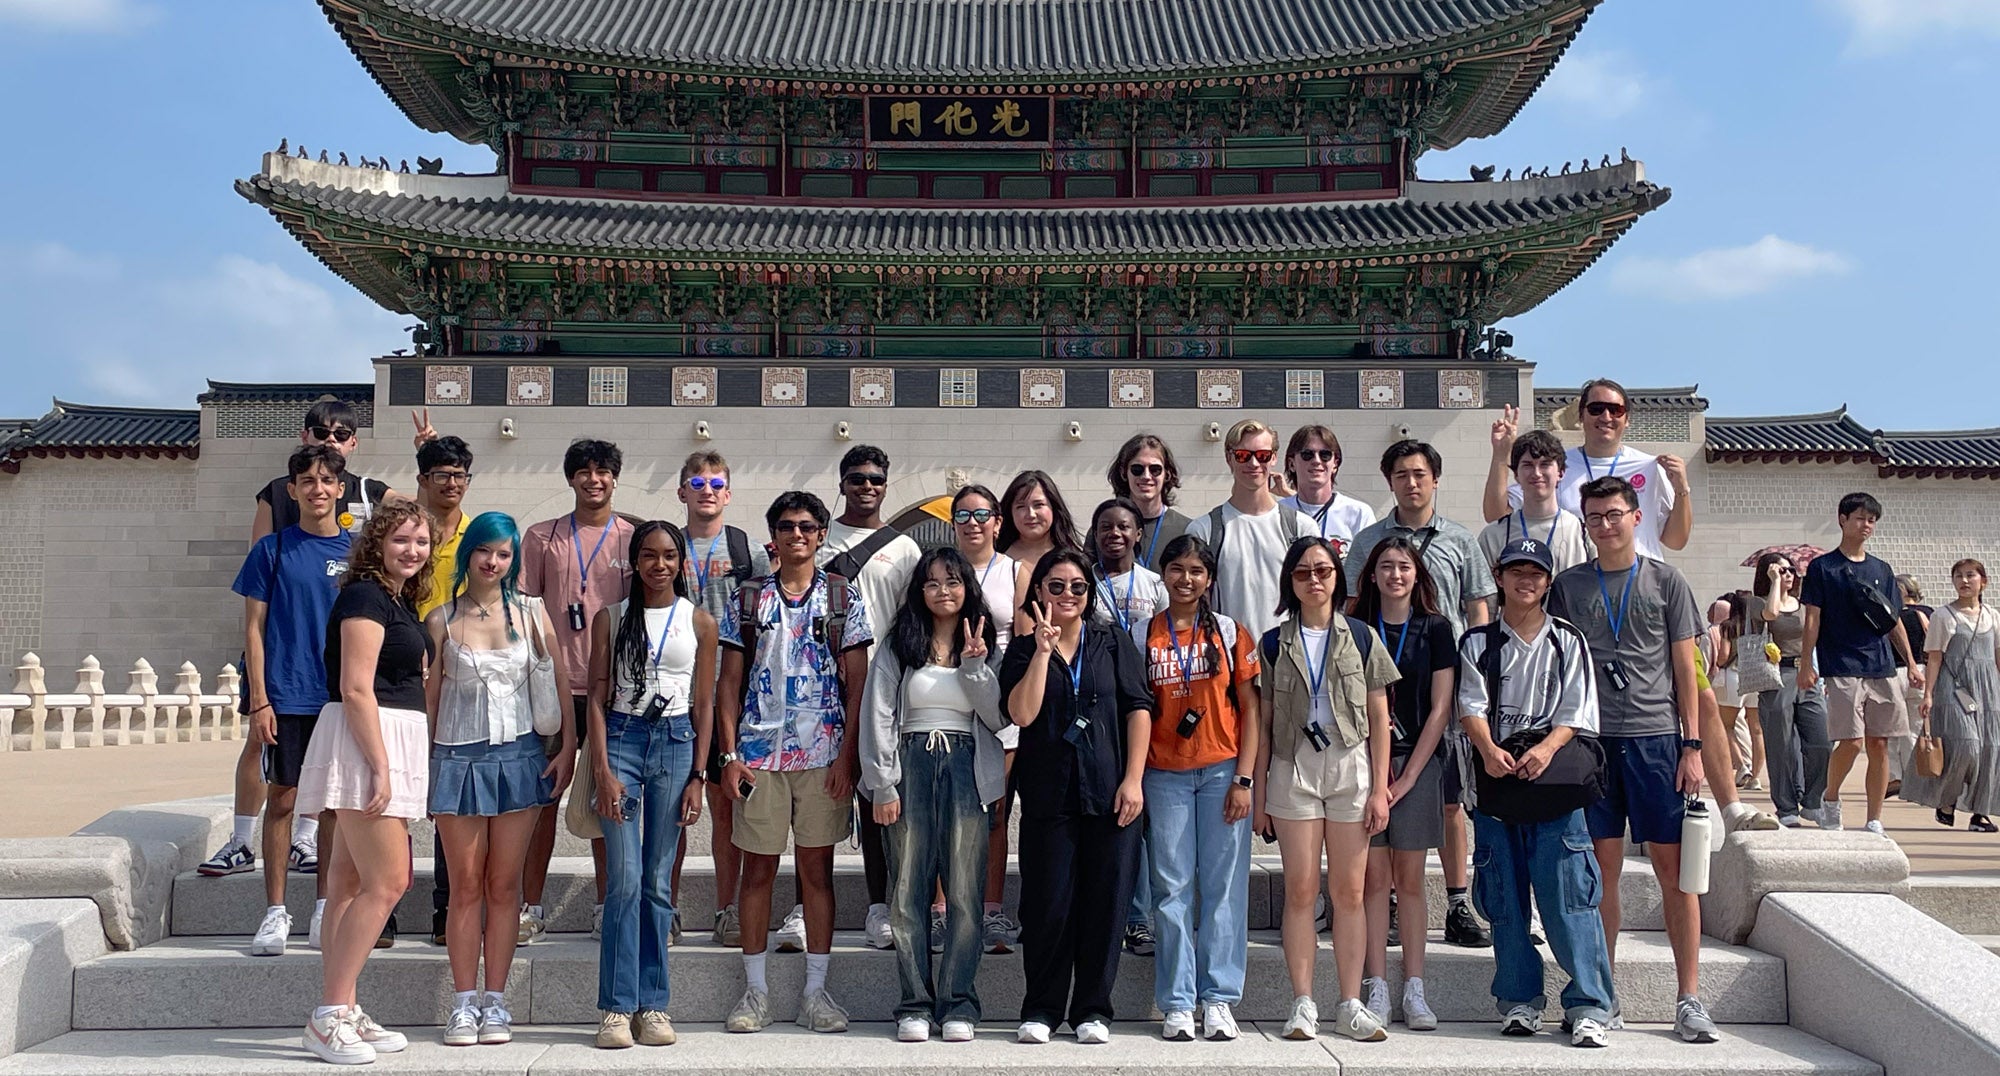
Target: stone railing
{"x": 34, "y": 719}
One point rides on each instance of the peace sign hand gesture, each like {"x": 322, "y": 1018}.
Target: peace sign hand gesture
{"x": 1505, "y": 428}
{"x": 975, "y": 640}
{"x": 1045, "y": 629}
{"x": 426, "y": 433}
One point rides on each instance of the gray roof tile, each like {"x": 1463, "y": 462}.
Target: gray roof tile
{"x": 84, "y": 428}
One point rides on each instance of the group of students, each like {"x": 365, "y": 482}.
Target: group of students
{"x": 1155, "y": 692}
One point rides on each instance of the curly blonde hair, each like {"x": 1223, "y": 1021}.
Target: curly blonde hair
{"x": 365, "y": 561}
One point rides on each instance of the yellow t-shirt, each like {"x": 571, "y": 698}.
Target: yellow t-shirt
{"x": 444, "y": 565}
{"x": 1700, "y": 670}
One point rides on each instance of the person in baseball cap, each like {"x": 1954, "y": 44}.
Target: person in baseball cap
{"x": 1526, "y": 550}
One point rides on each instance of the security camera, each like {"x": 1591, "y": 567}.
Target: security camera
{"x": 842, "y": 431}
{"x": 701, "y": 431}
{"x": 1213, "y": 432}
{"x": 1074, "y": 431}
{"x": 507, "y": 429}
{"x": 1400, "y": 430}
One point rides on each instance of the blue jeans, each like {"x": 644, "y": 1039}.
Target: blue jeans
{"x": 1194, "y": 851}
{"x": 654, "y": 760}
{"x": 1556, "y": 859}
{"x": 942, "y": 832}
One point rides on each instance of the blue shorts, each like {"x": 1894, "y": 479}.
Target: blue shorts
{"x": 1639, "y": 777}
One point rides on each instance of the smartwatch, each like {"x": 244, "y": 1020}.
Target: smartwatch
{"x": 1690, "y": 745}
{"x": 1245, "y": 781}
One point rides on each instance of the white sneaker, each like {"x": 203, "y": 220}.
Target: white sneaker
{"x": 1304, "y": 1022}
{"x": 496, "y": 1025}
{"x": 1357, "y": 1022}
{"x": 1032, "y": 1031}
{"x": 272, "y": 933}
{"x": 1829, "y": 815}
{"x": 462, "y": 1027}
{"x": 1587, "y": 1032}
{"x": 534, "y": 924}
{"x": 1376, "y": 993}
{"x": 958, "y": 1031}
{"x": 597, "y": 923}
{"x": 381, "y": 1038}
{"x": 1874, "y": 825}
{"x": 822, "y": 1014}
{"x": 1417, "y": 1014}
{"x": 1093, "y": 1033}
{"x": 792, "y": 934}
{"x": 333, "y": 1038}
{"x": 913, "y": 1029}
{"x": 875, "y": 928}
{"x": 1521, "y": 1020}
{"x": 1217, "y": 1022}
{"x": 312, "y": 929}
{"x": 1790, "y": 821}
{"x": 1178, "y": 1026}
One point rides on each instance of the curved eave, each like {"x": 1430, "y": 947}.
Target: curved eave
{"x": 1502, "y": 50}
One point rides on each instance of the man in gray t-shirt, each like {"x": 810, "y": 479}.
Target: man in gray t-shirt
{"x": 1659, "y": 611}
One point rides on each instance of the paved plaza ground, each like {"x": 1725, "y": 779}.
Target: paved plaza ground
{"x": 52, "y": 793}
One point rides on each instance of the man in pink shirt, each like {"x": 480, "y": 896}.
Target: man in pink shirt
{"x": 576, "y": 563}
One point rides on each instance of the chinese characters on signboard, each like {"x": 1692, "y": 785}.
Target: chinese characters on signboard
{"x": 959, "y": 119}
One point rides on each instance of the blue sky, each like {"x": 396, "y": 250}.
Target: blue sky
{"x": 1828, "y": 240}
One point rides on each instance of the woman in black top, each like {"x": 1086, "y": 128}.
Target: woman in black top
{"x": 1399, "y": 600}
{"x": 1084, "y": 705}
{"x": 369, "y": 761}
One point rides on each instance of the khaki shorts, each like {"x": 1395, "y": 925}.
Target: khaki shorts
{"x": 791, "y": 803}
{"x": 1332, "y": 785}
{"x": 1857, "y": 707}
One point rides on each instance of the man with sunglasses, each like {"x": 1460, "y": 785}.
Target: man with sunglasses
{"x": 576, "y": 564}
{"x": 1250, "y": 532}
{"x": 1665, "y": 499}
{"x": 1312, "y": 462}
{"x": 879, "y": 559}
{"x": 720, "y": 559}
{"x": 1144, "y": 471}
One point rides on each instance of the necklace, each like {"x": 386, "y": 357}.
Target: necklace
{"x": 484, "y": 610}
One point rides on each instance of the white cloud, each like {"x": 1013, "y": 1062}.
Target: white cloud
{"x": 1727, "y": 272}
{"x": 1600, "y": 85}
{"x": 57, "y": 260}
{"x": 94, "y": 16}
{"x": 1885, "y": 25}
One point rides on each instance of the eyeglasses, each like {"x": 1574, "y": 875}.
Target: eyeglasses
{"x": 339, "y": 435}
{"x": 1606, "y": 519}
{"x": 1055, "y": 587}
{"x": 933, "y": 586}
{"x": 865, "y": 478}
{"x": 449, "y": 478}
{"x": 1600, "y": 408}
{"x": 805, "y": 527}
{"x": 1316, "y": 573}
{"x": 1146, "y": 470}
{"x": 973, "y": 515}
{"x": 714, "y": 482}
{"x": 1315, "y": 455}
{"x": 1245, "y": 455}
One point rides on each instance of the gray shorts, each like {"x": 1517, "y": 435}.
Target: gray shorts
{"x": 1416, "y": 822}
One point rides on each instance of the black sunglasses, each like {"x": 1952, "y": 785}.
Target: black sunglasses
{"x": 339, "y": 435}
{"x": 865, "y": 478}
{"x": 1146, "y": 470}
{"x": 1077, "y": 587}
{"x": 973, "y": 515}
{"x": 806, "y": 527}
{"x": 1315, "y": 455}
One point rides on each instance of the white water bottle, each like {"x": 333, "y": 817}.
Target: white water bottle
{"x": 1697, "y": 830}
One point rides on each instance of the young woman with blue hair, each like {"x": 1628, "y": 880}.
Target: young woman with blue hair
{"x": 489, "y": 778}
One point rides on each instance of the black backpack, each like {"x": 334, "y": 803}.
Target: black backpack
{"x": 1575, "y": 776}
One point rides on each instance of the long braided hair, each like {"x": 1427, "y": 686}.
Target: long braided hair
{"x": 630, "y": 646}
{"x": 1207, "y": 628}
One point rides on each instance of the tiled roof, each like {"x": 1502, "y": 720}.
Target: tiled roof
{"x": 244, "y": 392}
{"x": 1434, "y": 218}
{"x": 86, "y": 430}
{"x": 1836, "y": 435}
{"x": 410, "y": 45}
{"x": 1686, "y": 398}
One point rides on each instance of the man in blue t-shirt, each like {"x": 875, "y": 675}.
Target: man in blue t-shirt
{"x": 288, "y": 584}
{"x": 1844, "y": 591}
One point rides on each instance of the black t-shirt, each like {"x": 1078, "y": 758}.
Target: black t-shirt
{"x": 1425, "y": 646}
{"x": 285, "y": 510}
{"x": 399, "y": 671}
{"x": 1913, "y": 626}
{"x": 1053, "y": 775}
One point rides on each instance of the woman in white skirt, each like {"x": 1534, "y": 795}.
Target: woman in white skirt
{"x": 369, "y": 762}
{"x": 489, "y": 778}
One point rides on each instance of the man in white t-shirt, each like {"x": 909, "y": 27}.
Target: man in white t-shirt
{"x": 1254, "y": 530}
{"x": 879, "y": 560}
{"x": 1312, "y": 463}
{"x": 1661, "y": 481}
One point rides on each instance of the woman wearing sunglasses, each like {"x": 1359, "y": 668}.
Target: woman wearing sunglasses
{"x": 975, "y": 523}
{"x": 1323, "y": 775}
{"x": 1796, "y": 747}
{"x": 1084, "y": 706}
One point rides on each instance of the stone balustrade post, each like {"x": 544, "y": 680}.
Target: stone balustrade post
{"x": 91, "y": 728}
{"x": 187, "y": 684}
{"x": 145, "y": 683}
{"x": 28, "y": 732}
{"x": 229, "y": 684}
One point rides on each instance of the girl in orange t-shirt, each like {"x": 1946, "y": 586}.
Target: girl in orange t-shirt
{"x": 1202, "y": 668}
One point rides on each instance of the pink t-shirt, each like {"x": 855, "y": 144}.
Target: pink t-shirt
{"x": 556, "y": 568}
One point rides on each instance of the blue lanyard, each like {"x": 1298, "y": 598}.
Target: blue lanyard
{"x": 986, "y": 571}
{"x": 1617, "y": 619}
{"x": 660, "y": 650}
{"x": 1319, "y": 517}
{"x": 705, "y": 566}
{"x": 1122, "y": 613}
{"x": 583, "y": 567}
{"x": 1146, "y": 556}
{"x": 1611, "y": 472}
{"x": 1316, "y": 677}
{"x": 1383, "y": 631}
{"x": 1184, "y": 658}
{"x": 1076, "y": 670}
{"x": 1549, "y": 541}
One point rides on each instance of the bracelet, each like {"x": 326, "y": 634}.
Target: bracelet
{"x": 257, "y": 710}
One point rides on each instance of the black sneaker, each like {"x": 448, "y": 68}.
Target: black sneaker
{"x": 1395, "y": 928}
{"x": 437, "y": 928}
{"x": 1139, "y": 939}
{"x": 388, "y": 937}
{"x": 1462, "y": 928}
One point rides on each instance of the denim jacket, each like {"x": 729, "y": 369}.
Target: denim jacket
{"x": 881, "y": 718}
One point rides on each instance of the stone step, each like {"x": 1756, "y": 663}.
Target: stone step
{"x": 867, "y": 1050}
{"x": 234, "y": 905}
{"x": 214, "y": 983}
{"x": 1967, "y": 903}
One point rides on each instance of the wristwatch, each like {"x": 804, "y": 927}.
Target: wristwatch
{"x": 1245, "y": 781}
{"x": 725, "y": 758}
{"x": 1690, "y": 745}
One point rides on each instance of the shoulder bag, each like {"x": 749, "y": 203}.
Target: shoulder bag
{"x": 544, "y": 699}
{"x": 1756, "y": 673}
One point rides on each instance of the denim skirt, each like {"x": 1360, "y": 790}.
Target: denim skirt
{"x": 483, "y": 780}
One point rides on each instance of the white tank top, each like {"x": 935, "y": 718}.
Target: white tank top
{"x": 996, "y": 585}
{"x": 672, "y": 675}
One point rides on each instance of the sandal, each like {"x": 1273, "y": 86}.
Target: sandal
{"x": 1982, "y": 824}
{"x": 1945, "y": 817}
